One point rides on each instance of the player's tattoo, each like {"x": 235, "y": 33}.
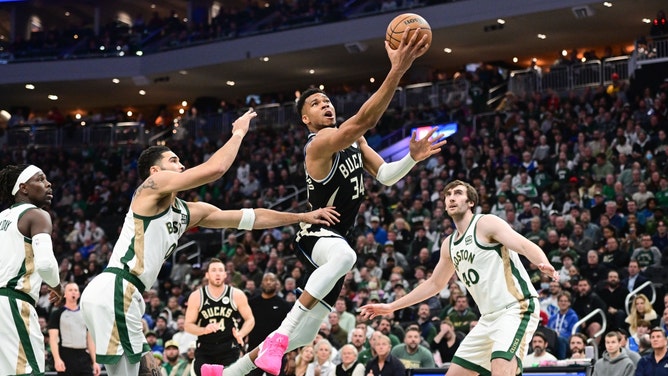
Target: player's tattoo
{"x": 148, "y": 184}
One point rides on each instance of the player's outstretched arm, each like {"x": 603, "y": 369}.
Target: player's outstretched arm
{"x": 207, "y": 215}
{"x": 434, "y": 284}
{"x": 495, "y": 229}
{"x": 211, "y": 170}
{"x": 371, "y": 111}
{"x": 390, "y": 173}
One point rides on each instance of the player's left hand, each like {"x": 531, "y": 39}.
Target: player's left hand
{"x": 548, "y": 269}
{"x": 426, "y": 146}
{"x": 324, "y": 216}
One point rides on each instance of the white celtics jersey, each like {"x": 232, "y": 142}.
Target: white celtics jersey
{"x": 17, "y": 269}
{"x": 492, "y": 273}
{"x": 146, "y": 242}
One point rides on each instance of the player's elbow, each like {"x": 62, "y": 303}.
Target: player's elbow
{"x": 48, "y": 271}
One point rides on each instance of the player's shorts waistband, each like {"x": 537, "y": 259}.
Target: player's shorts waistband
{"x": 5, "y": 291}
{"x": 126, "y": 275}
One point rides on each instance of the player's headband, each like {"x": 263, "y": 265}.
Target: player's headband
{"x": 25, "y": 175}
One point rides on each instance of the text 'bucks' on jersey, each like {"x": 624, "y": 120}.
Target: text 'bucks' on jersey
{"x": 219, "y": 310}
{"x": 342, "y": 188}
{"x": 492, "y": 273}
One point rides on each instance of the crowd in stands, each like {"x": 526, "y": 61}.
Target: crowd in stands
{"x": 164, "y": 31}
{"x": 582, "y": 174}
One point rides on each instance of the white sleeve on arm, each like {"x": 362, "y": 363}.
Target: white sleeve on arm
{"x": 45, "y": 261}
{"x": 390, "y": 173}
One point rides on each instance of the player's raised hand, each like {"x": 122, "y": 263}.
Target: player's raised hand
{"x": 241, "y": 125}
{"x": 426, "y": 146}
{"x": 324, "y": 216}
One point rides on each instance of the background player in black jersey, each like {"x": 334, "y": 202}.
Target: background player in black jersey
{"x": 335, "y": 160}
{"x": 212, "y": 315}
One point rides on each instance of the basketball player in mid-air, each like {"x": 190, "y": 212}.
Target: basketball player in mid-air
{"x": 112, "y": 303}
{"x": 483, "y": 251}
{"x": 335, "y": 160}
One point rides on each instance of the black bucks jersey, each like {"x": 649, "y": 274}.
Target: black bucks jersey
{"x": 219, "y": 310}
{"x": 342, "y": 188}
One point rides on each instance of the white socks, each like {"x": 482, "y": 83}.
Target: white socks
{"x": 293, "y": 318}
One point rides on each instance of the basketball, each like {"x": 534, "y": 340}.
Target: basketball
{"x": 395, "y": 30}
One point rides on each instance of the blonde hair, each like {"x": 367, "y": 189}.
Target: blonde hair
{"x": 634, "y": 317}
{"x": 302, "y": 364}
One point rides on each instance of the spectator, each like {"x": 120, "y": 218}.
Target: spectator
{"x": 614, "y": 293}
{"x": 635, "y": 279}
{"x": 321, "y": 365}
{"x": 641, "y": 310}
{"x": 446, "y": 341}
{"x": 563, "y": 321}
{"x": 656, "y": 363}
{"x": 647, "y": 254}
{"x": 174, "y": 364}
{"x": 540, "y": 353}
{"x": 303, "y": 360}
{"x": 384, "y": 364}
{"x": 350, "y": 365}
{"x": 425, "y": 322}
{"x": 462, "y": 315}
{"x": 411, "y": 353}
{"x": 586, "y": 300}
{"x": 593, "y": 270}
{"x": 576, "y": 346}
{"x": 615, "y": 361}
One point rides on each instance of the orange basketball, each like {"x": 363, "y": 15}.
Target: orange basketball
{"x": 412, "y": 21}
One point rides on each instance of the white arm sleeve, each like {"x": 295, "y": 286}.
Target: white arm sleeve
{"x": 390, "y": 173}
{"x": 45, "y": 261}
{"x": 247, "y": 219}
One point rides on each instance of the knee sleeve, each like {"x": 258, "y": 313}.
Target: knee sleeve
{"x": 307, "y": 329}
{"x": 332, "y": 258}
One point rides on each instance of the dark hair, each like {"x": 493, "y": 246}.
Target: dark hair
{"x": 8, "y": 177}
{"x": 148, "y": 159}
{"x": 304, "y": 96}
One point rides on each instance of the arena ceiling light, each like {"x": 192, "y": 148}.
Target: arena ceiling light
{"x": 30, "y": 86}
{"x": 447, "y": 50}
{"x": 52, "y": 97}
